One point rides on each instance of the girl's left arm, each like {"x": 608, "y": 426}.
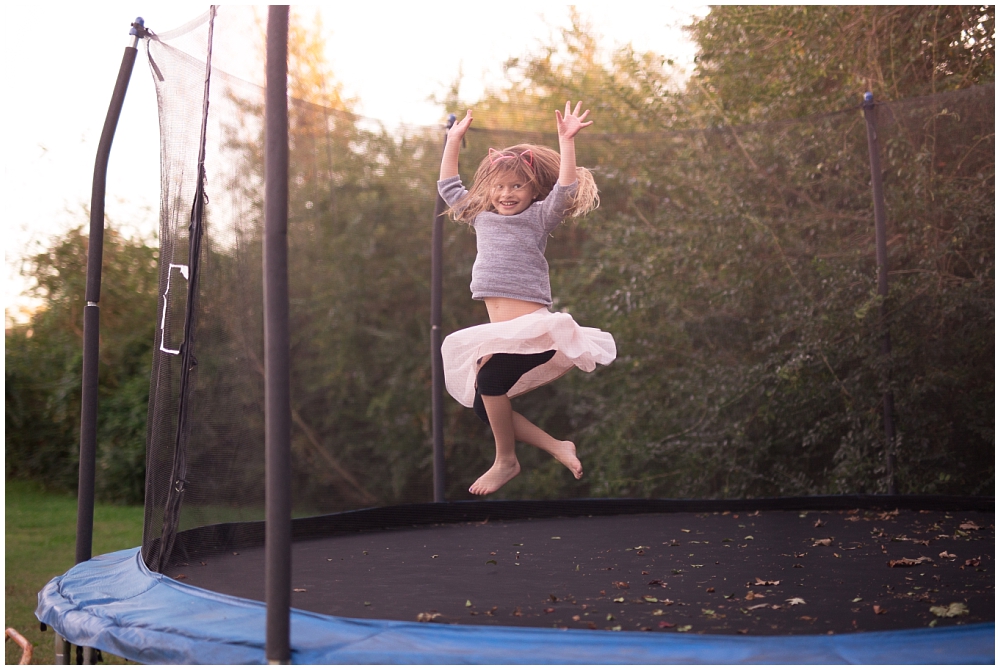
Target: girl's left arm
{"x": 568, "y": 125}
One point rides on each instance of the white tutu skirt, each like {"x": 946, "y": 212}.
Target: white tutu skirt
{"x": 465, "y": 351}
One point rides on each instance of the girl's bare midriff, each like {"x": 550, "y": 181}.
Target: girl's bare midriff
{"x": 505, "y": 309}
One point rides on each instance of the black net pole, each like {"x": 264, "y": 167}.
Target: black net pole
{"x": 277, "y": 404}
{"x": 91, "y": 312}
{"x": 882, "y": 259}
{"x": 437, "y": 365}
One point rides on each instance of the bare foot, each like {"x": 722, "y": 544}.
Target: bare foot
{"x": 494, "y": 478}
{"x": 565, "y": 453}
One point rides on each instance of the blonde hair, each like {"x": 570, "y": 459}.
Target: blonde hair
{"x": 542, "y": 173}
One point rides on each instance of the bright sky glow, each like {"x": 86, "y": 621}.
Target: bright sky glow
{"x": 60, "y": 67}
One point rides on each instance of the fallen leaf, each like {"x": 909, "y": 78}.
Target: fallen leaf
{"x": 878, "y": 610}
{"x": 657, "y": 582}
{"x": 657, "y": 612}
{"x": 748, "y": 537}
{"x": 710, "y": 589}
{"x": 621, "y": 600}
{"x": 181, "y": 577}
{"x": 576, "y": 617}
{"x": 968, "y": 525}
{"x": 683, "y": 629}
{"x": 620, "y": 585}
{"x": 667, "y": 601}
{"x": 952, "y": 610}
{"x": 676, "y": 571}
{"x": 945, "y": 554}
{"x": 795, "y": 601}
{"x": 549, "y": 610}
{"x": 757, "y": 607}
{"x": 697, "y": 565}
{"x": 819, "y": 523}
{"x": 973, "y": 562}
{"x": 751, "y": 595}
{"x": 468, "y": 603}
{"x": 517, "y": 612}
{"x": 825, "y": 542}
{"x": 685, "y": 530}
{"x": 616, "y": 628}
{"x": 491, "y": 561}
{"x": 556, "y": 537}
{"x": 798, "y": 565}
{"x": 807, "y": 618}
{"x": 666, "y": 624}
{"x": 764, "y": 582}
{"x": 432, "y": 555}
{"x": 298, "y": 590}
{"x": 742, "y": 631}
{"x": 650, "y": 599}
{"x": 730, "y": 596}
{"x": 857, "y": 600}
{"x": 367, "y": 604}
{"x": 909, "y": 562}
{"x": 610, "y": 617}
{"x": 425, "y": 617}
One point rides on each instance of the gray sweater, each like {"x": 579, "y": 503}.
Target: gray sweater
{"x": 510, "y": 258}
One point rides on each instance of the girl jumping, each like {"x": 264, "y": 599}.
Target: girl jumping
{"x": 518, "y": 196}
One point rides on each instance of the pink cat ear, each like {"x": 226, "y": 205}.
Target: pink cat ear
{"x": 495, "y": 155}
{"x": 530, "y": 160}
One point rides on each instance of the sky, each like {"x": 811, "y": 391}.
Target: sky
{"x": 391, "y": 56}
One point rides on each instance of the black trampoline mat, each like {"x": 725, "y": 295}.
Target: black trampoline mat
{"x": 758, "y": 573}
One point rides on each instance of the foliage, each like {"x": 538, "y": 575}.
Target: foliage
{"x": 43, "y": 367}
{"x": 732, "y": 258}
{"x": 762, "y": 63}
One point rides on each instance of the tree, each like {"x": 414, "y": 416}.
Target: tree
{"x": 44, "y": 367}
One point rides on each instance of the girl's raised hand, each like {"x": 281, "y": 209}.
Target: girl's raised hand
{"x": 458, "y": 130}
{"x": 570, "y": 123}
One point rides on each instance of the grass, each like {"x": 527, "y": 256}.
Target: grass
{"x": 40, "y": 544}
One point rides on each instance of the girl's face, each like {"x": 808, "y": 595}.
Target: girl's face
{"x": 510, "y": 195}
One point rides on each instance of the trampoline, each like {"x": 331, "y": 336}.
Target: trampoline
{"x": 380, "y": 574}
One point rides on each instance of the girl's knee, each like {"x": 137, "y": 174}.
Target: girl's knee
{"x": 480, "y": 409}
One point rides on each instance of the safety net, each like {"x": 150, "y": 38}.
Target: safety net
{"x": 734, "y": 265}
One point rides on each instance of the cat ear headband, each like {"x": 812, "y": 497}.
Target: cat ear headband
{"x": 525, "y": 155}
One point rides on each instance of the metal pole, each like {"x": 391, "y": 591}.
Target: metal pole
{"x": 882, "y": 259}
{"x": 91, "y": 312}
{"x": 62, "y": 650}
{"x": 437, "y": 365}
{"x": 277, "y": 404}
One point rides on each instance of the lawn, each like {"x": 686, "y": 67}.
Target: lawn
{"x": 40, "y": 544}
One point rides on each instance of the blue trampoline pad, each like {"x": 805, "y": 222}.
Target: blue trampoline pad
{"x": 114, "y": 603}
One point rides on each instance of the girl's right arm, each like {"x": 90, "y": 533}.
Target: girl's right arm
{"x": 449, "y": 159}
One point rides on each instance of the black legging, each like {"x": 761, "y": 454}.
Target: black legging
{"x": 501, "y": 372}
